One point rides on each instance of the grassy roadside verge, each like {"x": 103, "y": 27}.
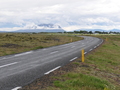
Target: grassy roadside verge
{"x": 11, "y": 43}
{"x": 101, "y": 71}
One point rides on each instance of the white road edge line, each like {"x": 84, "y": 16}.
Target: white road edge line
{"x": 54, "y": 52}
{"x": 44, "y": 49}
{"x": 23, "y": 53}
{"x": 6, "y": 58}
{"x": 73, "y": 59}
{"x": 17, "y": 55}
{"x": 101, "y": 42}
{"x": 85, "y": 53}
{"x": 95, "y": 47}
{"x": 52, "y": 70}
{"x": 90, "y": 49}
{"x": 98, "y": 45}
{"x": 8, "y": 64}
{"x": 16, "y": 88}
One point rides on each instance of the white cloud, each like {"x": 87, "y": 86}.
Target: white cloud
{"x": 70, "y": 14}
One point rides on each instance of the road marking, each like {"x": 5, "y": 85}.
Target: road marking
{"x": 7, "y": 58}
{"x": 90, "y": 49}
{"x": 54, "y": 52}
{"x": 95, "y": 47}
{"x": 85, "y": 53}
{"x": 8, "y": 64}
{"x": 102, "y": 42}
{"x": 52, "y": 70}
{"x": 16, "y": 88}
{"x": 44, "y": 49}
{"x": 73, "y": 59}
{"x": 65, "y": 44}
{"x": 23, "y": 53}
{"x": 4, "y": 58}
{"x": 72, "y": 46}
{"x": 98, "y": 45}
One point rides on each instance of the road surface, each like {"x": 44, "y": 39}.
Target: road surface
{"x": 21, "y": 69}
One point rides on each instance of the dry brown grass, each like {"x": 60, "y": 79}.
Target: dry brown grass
{"x": 11, "y": 43}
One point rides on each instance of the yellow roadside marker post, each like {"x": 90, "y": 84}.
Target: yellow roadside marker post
{"x": 83, "y": 56}
{"x": 106, "y": 39}
{"x": 106, "y": 89}
{"x": 71, "y": 39}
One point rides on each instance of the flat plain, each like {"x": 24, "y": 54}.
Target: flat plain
{"x": 12, "y": 43}
{"x": 100, "y": 71}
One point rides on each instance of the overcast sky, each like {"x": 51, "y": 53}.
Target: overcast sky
{"x": 69, "y": 14}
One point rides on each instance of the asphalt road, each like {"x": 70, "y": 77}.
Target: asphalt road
{"x": 20, "y": 69}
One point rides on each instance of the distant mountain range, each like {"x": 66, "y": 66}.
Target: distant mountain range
{"x": 2, "y": 31}
{"x": 43, "y": 26}
{"x": 101, "y": 30}
{"x": 40, "y": 28}
{"x": 53, "y": 28}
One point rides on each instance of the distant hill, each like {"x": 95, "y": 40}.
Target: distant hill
{"x": 3, "y": 31}
{"x": 101, "y": 30}
{"x": 40, "y": 28}
{"x": 115, "y": 30}
{"x": 49, "y": 26}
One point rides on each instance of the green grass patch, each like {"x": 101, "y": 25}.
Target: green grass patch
{"x": 76, "y": 63}
{"x": 78, "y": 80}
{"x": 39, "y": 47}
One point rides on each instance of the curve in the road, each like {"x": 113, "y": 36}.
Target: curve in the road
{"x": 20, "y": 69}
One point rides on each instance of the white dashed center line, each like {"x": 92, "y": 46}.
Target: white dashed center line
{"x": 4, "y": 58}
{"x": 72, "y": 46}
{"x": 54, "y": 52}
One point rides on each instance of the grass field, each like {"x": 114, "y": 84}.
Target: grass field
{"x": 11, "y": 43}
{"x": 100, "y": 71}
